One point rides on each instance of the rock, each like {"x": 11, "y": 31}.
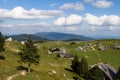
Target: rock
{"x": 86, "y": 47}
{"x": 49, "y": 52}
{"x": 116, "y": 46}
{"x": 79, "y": 49}
{"x": 93, "y": 49}
{"x": 54, "y": 72}
{"x": 22, "y": 42}
{"x": 9, "y": 39}
{"x": 54, "y": 50}
{"x": 101, "y": 47}
{"x": 23, "y": 73}
{"x": 69, "y": 56}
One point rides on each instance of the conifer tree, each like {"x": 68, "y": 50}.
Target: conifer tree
{"x": 29, "y": 54}
{"x": 75, "y": 63}
{"x": 80, "y": 66}
{"x": 95, "y": 74}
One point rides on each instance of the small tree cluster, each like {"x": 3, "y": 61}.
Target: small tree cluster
{"x": 29, "y": 54}
{"x": 95, "y": 74}
{"x": 75, "y": 64}
{"x": 80, "y": 66}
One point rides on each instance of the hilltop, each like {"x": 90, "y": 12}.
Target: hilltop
{"x": 62, "y": 36}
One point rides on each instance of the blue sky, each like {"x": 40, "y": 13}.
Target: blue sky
{"x": 84, "y": 17}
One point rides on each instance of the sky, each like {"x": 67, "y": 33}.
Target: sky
{"x": 83, "y": 17}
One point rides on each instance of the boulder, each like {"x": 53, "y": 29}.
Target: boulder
{"x": 79, "y": 48}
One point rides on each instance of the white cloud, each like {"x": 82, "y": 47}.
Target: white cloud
{"x": 113, "y": 20}
{"x": 109, "y": 20}
{"x": 75, "y": 6}
{"x": 20, "y": 13}
{"x": 73, "y": 19}
{"x": 60, "y": 21}
{"x": 93, "y": 20}
{"x": 102, "y": 4}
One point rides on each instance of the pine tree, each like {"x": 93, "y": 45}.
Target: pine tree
{"x": 75, "y": 63}
{"x": 82, "y": 67}
{"x": 118, "y": 74}
{"x": 95, "y": 74}
{"x": 29, "y": 54}
{"x": 2, "y": 42}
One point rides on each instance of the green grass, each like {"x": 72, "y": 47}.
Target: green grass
{"x": 48, "y": 63}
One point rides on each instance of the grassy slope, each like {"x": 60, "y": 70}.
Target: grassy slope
{"x": 48, "y": 63}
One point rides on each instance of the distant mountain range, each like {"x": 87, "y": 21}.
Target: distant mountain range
{"x": 22, "y": 37}
{"x": 50, "y": 36}
{"x": 61, "y": 36}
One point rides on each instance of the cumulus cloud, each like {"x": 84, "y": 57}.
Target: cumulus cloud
{"x": 73, "y": 19}
{"x": 100, "y": 3}
{"x": 75, "y": 6}
{"x": 103, "y": 4}
{"x": 20, "y": 13}
{"x": 104, "y": 20}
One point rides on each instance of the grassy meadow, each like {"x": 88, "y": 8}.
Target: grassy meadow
{"x": 48, "y": 64}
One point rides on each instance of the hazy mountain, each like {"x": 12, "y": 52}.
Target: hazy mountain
{"x": 22, "y": 37}
{"x": 61, "y": 36}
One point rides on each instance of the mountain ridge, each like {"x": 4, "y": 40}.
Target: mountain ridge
{"x": 54, "y": 36}
{"x": 23, "y": 37}
{"x": 62, "y": 36}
